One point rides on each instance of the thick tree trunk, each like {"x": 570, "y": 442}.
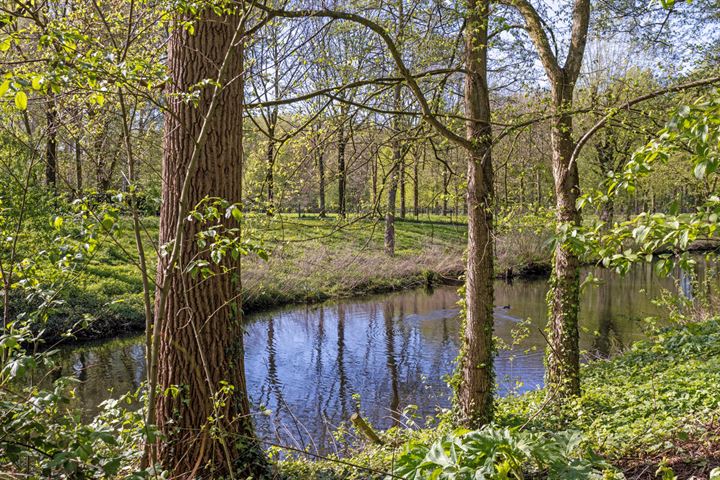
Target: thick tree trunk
{"x": 342, "y": 171}
{"x": 206, "y": 427}
{"x": 475, "y": 364}
{"x": 51, "y": 146}
{"x": 563, "y": 353}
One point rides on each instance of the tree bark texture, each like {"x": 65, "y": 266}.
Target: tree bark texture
{"x": 563, "y": 353}
{"x": 201, "y": 337}
{"x": 476, "y": 377}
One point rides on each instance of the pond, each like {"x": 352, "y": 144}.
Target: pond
{"x": 311, "y": 367}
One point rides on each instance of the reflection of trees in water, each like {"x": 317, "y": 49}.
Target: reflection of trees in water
{"x": 342, "y": 374}
{"x": 607, "y": 334}
{"x": 389, "y": 314}
{"x": 320, "y": 400}
{"x": 271, "y": 387}
{"x": 319, "y": 340}
{"x": 274, "y": 388}
{"x": 370, "y": 333}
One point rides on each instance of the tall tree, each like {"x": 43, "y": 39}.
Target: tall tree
{"x": 206, "y": 427}
{"x": 395, "y": 175}
{"x": 563, "y": 353}
{"x": 475, "y": 368}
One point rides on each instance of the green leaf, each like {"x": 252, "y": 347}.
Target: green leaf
{"x": 21, "y": 100}
{"x": 4, "y": 87}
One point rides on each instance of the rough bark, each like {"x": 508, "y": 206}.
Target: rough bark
{"x": 563, "y": 354}
{"x": 200, "y": 334}
{"x": 475, "y": 365}
{"x": 563, "y": 359}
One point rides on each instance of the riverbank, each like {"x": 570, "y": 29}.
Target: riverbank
{"x": 655, "y": 406}
{"x": 311, "y": 260}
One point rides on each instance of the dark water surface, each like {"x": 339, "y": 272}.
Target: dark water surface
{"x": 311, "y": 366}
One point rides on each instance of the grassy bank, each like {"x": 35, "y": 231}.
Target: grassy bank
{"x": 654, "y": 407}
{"x": 311, "y": 259}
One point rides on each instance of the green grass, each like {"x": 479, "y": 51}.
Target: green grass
{"x": 311, "y": 259}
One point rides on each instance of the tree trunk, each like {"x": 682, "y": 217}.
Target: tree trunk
{"x": 206, "y": 427}
{"x": 607, "y": 213}
{"x": 375, "y": 202}
{"x": 563, "y": 353}
{"x": 446, "y": 192}
{"x": 474, "y": 395}
{"x": 416, "y": 190}
{"x": 403, "y": 175}
{"x": 321, "y": 181}
{"x": 393, "y": 178}
{"x": 342, "y": 171}
{"x": 562, "y": 373}
{"x": 269, "y": 179}
{"x": 78, "y": 169}
{"x": 505, "y": 185}
{"x": 391, "y": 201}
{"x": 51, "y": 146}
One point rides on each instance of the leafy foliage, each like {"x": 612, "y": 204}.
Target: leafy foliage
{"x": 693, "y": 131}
{"x": 499, "y": 453}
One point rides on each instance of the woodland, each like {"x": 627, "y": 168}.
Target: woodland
{"x": 232, "y": 232}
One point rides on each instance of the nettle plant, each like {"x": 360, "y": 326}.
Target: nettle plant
{"x": 693, "y": 134}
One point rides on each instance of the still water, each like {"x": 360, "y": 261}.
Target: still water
{"x": 314, "y": 366}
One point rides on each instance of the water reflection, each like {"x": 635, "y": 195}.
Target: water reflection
{"x": 313, "y": 366}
